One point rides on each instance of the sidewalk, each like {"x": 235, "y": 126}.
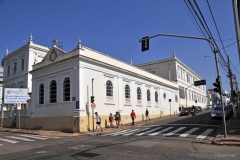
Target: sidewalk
{"x": 86, "y": 133}
{"x": 233, "y": 133}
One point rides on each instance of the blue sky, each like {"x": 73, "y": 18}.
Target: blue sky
{"x": 115, "y": 27}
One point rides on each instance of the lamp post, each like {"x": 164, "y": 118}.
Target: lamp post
{"x": 215, "y": 51}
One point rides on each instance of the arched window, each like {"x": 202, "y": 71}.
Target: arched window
{"x": 148, "y": 95}
{"x": 156, "y": 96}
{"x": 109, "y": 89}
{"x": 127, "y": 92}
{"x": 53, "y": 92}
{"x": 139, "y": 94}
{"x": 41, "y": 94}
{"x": 66, "y": 89}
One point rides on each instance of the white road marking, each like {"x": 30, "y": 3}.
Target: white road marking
{"x": 188, "y": 132}
{"x": 204, "y": 134}
{"x": 140, "y": 134}
{"x": 24, "y": 139}
{"x": 8, "y": 140}
{"x": 34, "y": 137}
{"x": 46, "y": 136}
{"x": 166, "y": 129}
{"x": 193, "y": 125}
{"x": 137, "y": 131}
{"x": 1, "y": 145}
{"x": 116, "y": 133}
{"x": 173, "y": 132}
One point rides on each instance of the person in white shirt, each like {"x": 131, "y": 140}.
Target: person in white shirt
{"x": 98, "y": 122}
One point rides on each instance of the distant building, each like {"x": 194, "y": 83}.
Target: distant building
{"x": 17, "y": 66}
{"x": 173, "y": 69}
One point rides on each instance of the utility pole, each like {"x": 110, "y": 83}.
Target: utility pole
{"x": 231, "y": 81}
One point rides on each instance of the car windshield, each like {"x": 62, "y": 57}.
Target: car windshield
{"x": 220, "y": 108}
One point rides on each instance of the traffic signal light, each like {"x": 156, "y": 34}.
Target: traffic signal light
{"x": 145, "y": 43}
{"x": 217, "y": 85}
{"x": 92, "y": 99}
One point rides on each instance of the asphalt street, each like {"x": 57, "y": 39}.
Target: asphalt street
{"x": 171, "y": 139}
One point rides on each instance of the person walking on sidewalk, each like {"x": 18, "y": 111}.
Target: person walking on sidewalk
{"x": 98, "y": 122}
{"x": 133, "y": 116}
{"x": 147, "y": 114}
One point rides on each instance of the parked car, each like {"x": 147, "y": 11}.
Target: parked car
{"x": 209, "y": 106}
{"x": 217, "y": 112}
{"x": 199, "y": 108}
{"x": 184, "y": 111}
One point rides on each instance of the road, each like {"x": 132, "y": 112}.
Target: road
{"x": 135, "y": 143}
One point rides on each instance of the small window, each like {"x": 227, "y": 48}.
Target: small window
{"x": 15, "y": 68}
{"x": 22, "y": 64}
{"x": 156, "y": 96}
{"x": 148, "y": 95}
{"x": 109, "y": 89}
{"x": 127, "y": 92}
{"x": 66, "y": 89}
{"x": 41, "y": 94}
{"x": 139, "y": 94}
{"x": 176, "y": 98}
{"x": 8, "y": 71}
{"x": 53, "y": 92}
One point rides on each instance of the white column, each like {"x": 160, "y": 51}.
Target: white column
{"x": 81, "y": 89}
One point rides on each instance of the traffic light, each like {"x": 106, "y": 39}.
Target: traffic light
{"x": 217, "y": 85}
{"x": 145, "y": 43}
{"x": 92, "y": 99}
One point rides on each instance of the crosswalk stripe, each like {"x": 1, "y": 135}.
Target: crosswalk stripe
{"x": 1, "y": 145}
{"x": 188, "y": 132}
{"x": 24, "y": 139}
{"x": 46, "y": 136}
{"x": 34, "y": 137}
{"x": 140, "y": 134}
{"x": 137, "y": 131}
{"x": 116, "y": 133}
{"x": 127, "y": 132}
{"x": 8, "y": 140}
{"x": 155, "y": 133}
{"x": 204, "y": 134}
{"x": 173, "y": 132}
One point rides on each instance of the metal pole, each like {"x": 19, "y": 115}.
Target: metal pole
{"x": 19, "y": 118}
{"x": 2, "y": 115}
{"x": 220, "y": 81}
{"x": 92, "y": 108}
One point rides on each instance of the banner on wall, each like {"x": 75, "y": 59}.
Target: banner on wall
{"x": 15, "y": 95}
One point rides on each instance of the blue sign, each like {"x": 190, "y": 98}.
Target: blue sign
{"x": 77, "y": 104}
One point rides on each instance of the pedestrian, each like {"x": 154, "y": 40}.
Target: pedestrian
{"x": 182, "y": 107}
{"x": 133, "y": 116}
{"x": 98, "y": 122}
{"x": 117, "y": 118}
{"x": 111, "y": 120}
{"x": 147, "y": 115}
{"x": 179, "y": 108}
{"x": 193, "y": 110}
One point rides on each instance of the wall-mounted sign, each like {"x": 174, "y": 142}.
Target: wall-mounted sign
{"x": 15, "y": 95}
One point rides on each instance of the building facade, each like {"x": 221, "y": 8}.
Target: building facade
{"x": 173, "y": 69}
{"x": 63, "y": 82}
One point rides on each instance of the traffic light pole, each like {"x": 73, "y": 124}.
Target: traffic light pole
{"x": 220, "y": 81}
{"x": 92, "y": 108}
{"x": 145, "y": 39}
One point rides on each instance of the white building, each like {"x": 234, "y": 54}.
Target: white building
{"x": 61, "y": 83}
{"x": 174, "y": 70}
{"x": 17, "y": 66}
